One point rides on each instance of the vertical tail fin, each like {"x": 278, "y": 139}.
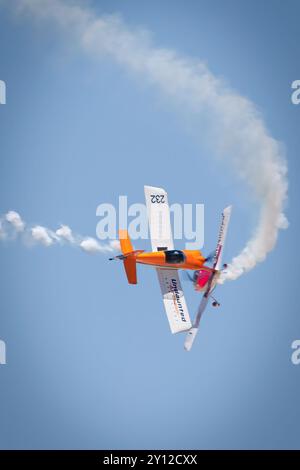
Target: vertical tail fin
{"x": 130, "y": 257}
{"x": 125, "y": 242}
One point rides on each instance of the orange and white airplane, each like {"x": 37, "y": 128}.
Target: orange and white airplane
{"x": 167, "y": 261}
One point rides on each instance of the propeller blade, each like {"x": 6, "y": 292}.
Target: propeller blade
{"x": 210, "y": 257}
{"x": 187, "y": 276}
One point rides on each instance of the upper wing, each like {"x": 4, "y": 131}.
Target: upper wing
{"x": 222, "y": 235}
{"x": 159, "y": 218}
{"x": 174, "y": 301}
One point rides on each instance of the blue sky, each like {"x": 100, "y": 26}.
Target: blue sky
{"x": 90, "y": 360}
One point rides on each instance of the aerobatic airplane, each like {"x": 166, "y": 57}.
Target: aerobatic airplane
{"x": 168, "y": 261}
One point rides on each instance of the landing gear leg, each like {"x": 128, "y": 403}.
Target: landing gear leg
{"x": 215, "y": 302}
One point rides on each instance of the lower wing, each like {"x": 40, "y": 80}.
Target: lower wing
{"x": 190, "y": 337}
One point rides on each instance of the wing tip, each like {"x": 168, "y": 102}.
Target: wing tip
{"x": 190, "y": 338}
{"x": 228, "y": 209}
{"x": 154, "y": 188}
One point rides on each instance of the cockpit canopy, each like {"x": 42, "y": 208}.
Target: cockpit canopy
{"x": 174, "y": 256}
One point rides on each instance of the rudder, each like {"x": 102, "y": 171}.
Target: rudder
{"x": 129, "y": 260}
{"x": 130, "y": 269}
{"x": 125, "y": 242}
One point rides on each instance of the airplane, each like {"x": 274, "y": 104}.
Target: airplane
{"x": 167, "y": 261}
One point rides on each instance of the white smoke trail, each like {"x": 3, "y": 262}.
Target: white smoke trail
{"x": 15, "y": 220}
{"x": 66, "y": 233}
{"x": 237, "y": 130}
{"x": 41, "y": 235}
{"x": 12, "y": 226}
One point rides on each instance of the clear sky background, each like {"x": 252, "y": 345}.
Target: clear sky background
{"x": 90, "y": 360}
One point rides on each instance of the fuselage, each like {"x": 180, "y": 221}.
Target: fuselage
{"x": 176, "y": 259}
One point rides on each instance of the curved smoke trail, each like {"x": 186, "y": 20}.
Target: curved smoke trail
{"x": 242, "y": 138}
